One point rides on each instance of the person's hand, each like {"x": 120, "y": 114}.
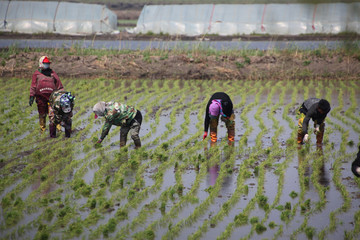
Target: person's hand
{"x": 99, "y": 141}
{"x": 317, "y": 129}
{"x": 355, "y": 169}
{"x": 205, "y": 135}
{"x": 306, "y": 138}
{"x": 31, "y": 100}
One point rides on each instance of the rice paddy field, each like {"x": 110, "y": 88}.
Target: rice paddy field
{"x": 177, "y": 186}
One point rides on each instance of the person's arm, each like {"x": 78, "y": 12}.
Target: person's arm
{"x": 33, "y": 89}
{"x": 58, "y": 85}
{"x": 33, "y": 85}
{"x": 311, "y": 112}
{"x": 207, "y": 118}
{"x": 105, "y": 130}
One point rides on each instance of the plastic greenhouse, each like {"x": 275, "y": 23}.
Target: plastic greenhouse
{"x": 233, "y": 19}
{"x": 56, "y": 17}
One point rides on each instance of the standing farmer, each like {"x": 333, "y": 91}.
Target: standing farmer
{"x": 127, "y": 117}
{"x": 44, "y": 82}
{"x": 61, "y": 104}
{"x": 221, "y": 105}
{"x": 315, "y": 109}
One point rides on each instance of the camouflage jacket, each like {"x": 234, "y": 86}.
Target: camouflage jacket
{"x": 117, "y": 114}
{"x": 54, "y": 103}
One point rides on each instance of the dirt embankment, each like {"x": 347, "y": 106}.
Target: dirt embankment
{"x": 198, "y": 66}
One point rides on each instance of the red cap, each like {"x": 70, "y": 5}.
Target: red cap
{"x": 46, "y": 60}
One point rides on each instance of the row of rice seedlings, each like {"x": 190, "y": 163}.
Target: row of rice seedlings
{"x": 185, "y": 152}
{"x": 288, "y": 211}
{"x": 202, "y": 207}
{"x": 258, "y": 117}
{"x": 246, "y": 109}
{"x": 275, "y": 152}
{"x": 125, "y": 230}
{"x": 135, "y": 221}
{"x": 270, "y": 156}
{"x": 242, "y": 218}
{"x": 47, "y": 179}
{"x": 45, "y": 173}
{"x": 163, "y": 107}
{"x": 226, "y": 207}
{"x": 350, "y": 111}
{"x": 317, "y": 164}
{"x": 337, "y": 171}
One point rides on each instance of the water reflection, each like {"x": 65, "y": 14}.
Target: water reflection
{"x": 213, "y": 169}
{"x": 323, "y": 177}
{"x": 213, "y": 174}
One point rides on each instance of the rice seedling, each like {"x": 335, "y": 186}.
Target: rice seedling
{"x": 47, "y": 184}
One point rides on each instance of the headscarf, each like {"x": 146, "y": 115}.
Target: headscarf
{"x": 99, "y": 109}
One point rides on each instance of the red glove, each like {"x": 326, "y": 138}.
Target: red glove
{"x": 99, "y": 141}
{"x": 205, "y": 135}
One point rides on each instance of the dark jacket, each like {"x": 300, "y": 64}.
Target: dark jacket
{"x": 227, "y": 107}
{"x": 310, "y": 109}
{"x": 355, "y": 164}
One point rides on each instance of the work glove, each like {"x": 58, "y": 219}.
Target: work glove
{"x": 205, "y": 135}
{"x": 317, "y": 129}
{"x": 99, "y": 141}
{"x": 31, "y": 100}
{"x": 306, "y": 138}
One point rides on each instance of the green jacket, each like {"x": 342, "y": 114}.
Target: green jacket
{"x": 117, "y": 114}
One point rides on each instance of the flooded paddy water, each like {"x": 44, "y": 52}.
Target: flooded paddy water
{"x": 177, "y": 186}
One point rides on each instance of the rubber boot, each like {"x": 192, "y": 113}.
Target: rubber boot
{"x": 68, "y": 128}
{"x": 67, "y": 132}
{"x": 42, "y": 122}
{"x": 122, "y": 143}
{"x": 52, "y": 129}
{"x": 213, "y": 130}
{"x": 231, "y": 135}
{"x": 137, "y": 143}
{"x": 300, "y": 137}
{"x": 320, "y": 135}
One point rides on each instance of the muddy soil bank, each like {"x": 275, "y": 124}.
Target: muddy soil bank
{"x": 192, "y": 65}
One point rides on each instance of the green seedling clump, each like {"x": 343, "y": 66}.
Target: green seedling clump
{"x": 254, "y": 220}
{"x": 121, "y": 215}
{"x": 285, "y": 215}
{"x": 272, "y": 224}
{"x": 260, "y": 228}
{"x": 241, "y": 219}
{"x": 288, "y": 206}
{"x": 293, "y": 194}
{"x": 310, "y": 232}
{"x": 262, "y": 201}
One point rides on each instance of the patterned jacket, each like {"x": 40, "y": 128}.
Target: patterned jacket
{"x": 117, "y": 114}
{"x": 56, "y": 111}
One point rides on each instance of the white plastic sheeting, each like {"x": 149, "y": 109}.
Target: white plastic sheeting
{"x": 234, "y": 19}
{"x": 56, "y": 17}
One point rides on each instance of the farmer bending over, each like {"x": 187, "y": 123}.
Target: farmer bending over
{"x": 127, "y": 117}
{"x": 44, "y": 82}
{"x": 61, "y": 104}
{"x": 219, "y": 104}
{"x": 315, "y": 109}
